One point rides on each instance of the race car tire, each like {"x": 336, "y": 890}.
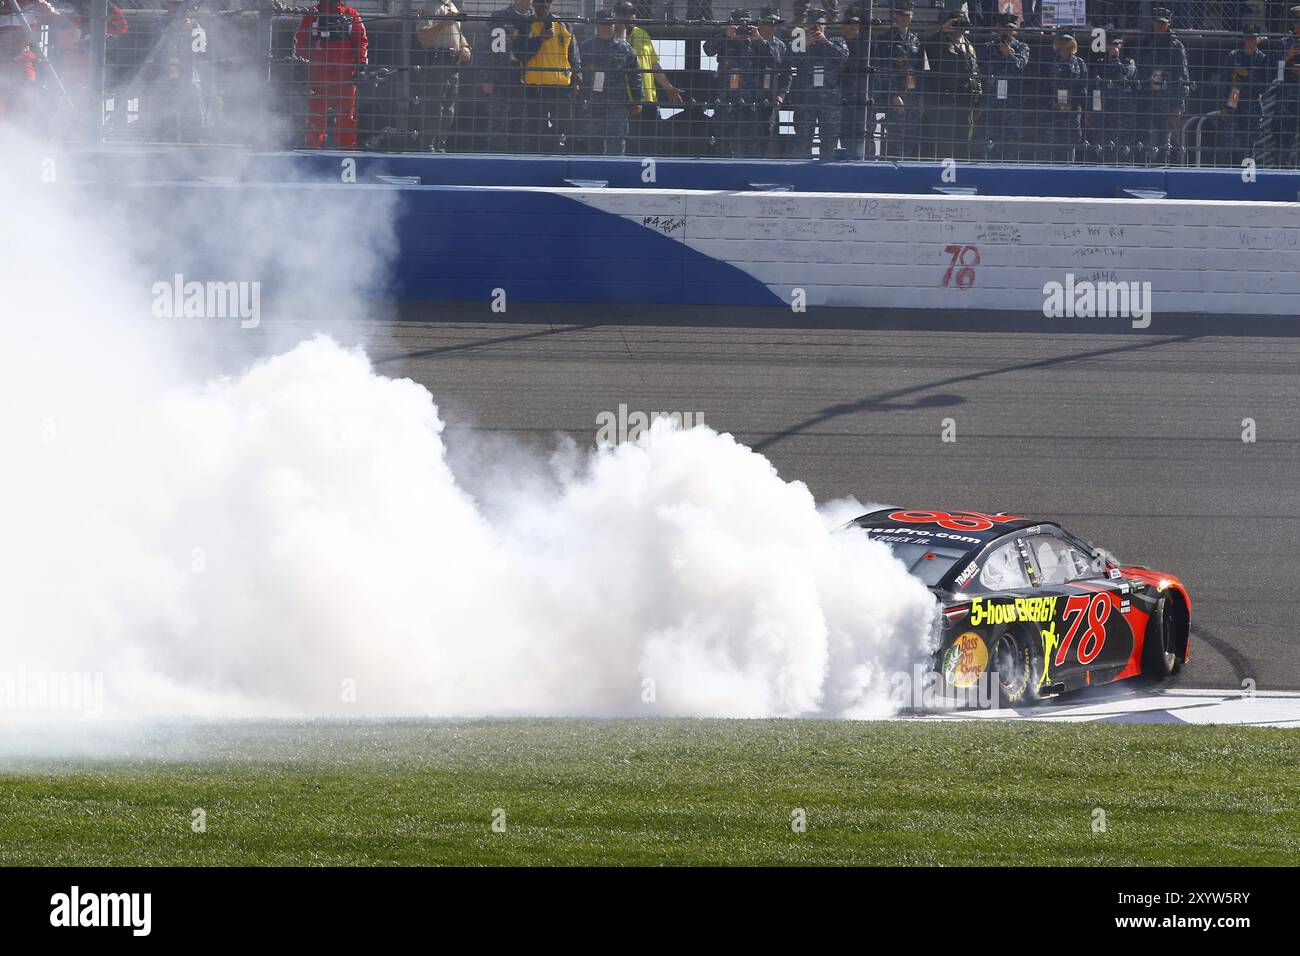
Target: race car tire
{"x": 1014, "y": 659}
{"x": 1160, "y": 656}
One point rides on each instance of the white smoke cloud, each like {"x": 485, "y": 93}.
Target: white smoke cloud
{"x": 290, "y": 539}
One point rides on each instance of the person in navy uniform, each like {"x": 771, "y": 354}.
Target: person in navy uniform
{"x": 1064, "y": 91}
{"x": 773, "y": 82}
{"x": 1111, "y": 116}
{"x": 614, "y": 89}
{"x": 816, "y": 87}
{"x": 500, "y": 76}
{"x": 1004, "y": 60}
{"x": 1244, "y": 76}
{"x": 853, "y": 86}
{"x": 1288, "y": 104}
{"x": 1163, "y": 85}
{"x": 739, "y": 52}
{"x": 896, "y": 84}
{"x": 953, "y": 90}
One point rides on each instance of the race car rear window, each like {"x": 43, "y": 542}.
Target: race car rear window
{"x": 928, "y": 563}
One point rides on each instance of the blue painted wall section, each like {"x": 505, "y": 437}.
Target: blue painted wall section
{"x": 461, "y": 243}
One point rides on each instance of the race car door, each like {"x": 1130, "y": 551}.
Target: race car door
{"x": 1090, "y": 639}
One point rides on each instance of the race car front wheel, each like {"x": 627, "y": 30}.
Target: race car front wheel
{"x": 1161, "y": 644}
{"x": 1014, "y": 664}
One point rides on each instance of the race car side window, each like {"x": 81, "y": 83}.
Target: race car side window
{"x": 1057, "y": 560}
{"x": 1003, "y": 569}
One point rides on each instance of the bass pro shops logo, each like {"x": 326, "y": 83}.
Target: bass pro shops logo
{"x": 965, "y": 660}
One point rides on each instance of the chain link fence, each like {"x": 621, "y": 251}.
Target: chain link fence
{"x": 1092, "y": 81}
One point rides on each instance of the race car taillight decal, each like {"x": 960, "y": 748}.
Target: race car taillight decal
{"x": 954, "y": 521}
{"x": 1095, "y": 610}
{"x": 956, "y": 613}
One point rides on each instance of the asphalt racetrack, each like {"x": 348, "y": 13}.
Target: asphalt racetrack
{"x": 1133, "y": 440}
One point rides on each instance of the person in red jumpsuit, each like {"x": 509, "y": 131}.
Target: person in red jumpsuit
{"x": 72, "y": 42}
{"x": 332, "y": 39}
{"x": 17, "y": 59}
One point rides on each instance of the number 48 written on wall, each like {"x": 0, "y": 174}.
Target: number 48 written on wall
{"x": 964, "y": 260}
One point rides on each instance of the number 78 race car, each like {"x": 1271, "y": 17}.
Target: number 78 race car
{"x": 1032, "y": 604}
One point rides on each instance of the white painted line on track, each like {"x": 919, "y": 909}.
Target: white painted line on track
{"x": 1121, "y": 705}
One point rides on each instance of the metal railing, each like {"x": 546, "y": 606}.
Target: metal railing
{"x": 438, "y": 79}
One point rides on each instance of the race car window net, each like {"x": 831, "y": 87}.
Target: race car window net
{"x": 1003, "y": 569}
{"x": 1057, "y": 561}
{"x": 928, "y": 563}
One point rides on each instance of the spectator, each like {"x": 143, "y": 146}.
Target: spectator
{"x": 646, "y": 132}
{"x": 899, "y": 63}
{"x": 1004, "y": 60}
{"x": 552, "y": 66}
{"x": 953, "y": 90}
{"x": 773, "y": 82}
{"x": 1112, "y": 110}
{"x": 173, "y": 101}
{"x": 1163, "y": 82}
{"x": 613, "y": 90}
{"x": 440, "y": 51}
{"x": 501, "y": 76}
{"x": 738, "y": 52}
{"x": 18, "y": 87}
{"x": 853, "y": 87}
{"x": 72, "y": 42}
{"x": 816, "y": 88}
{"x": 1243, "y": 78}
{"x": 1288, "y": 103}
{"x": 1064, "y": 92}
{"x": 332, "y": 39}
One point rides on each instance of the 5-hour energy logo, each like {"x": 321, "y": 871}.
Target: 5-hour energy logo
{"x": 1038, "y": 610}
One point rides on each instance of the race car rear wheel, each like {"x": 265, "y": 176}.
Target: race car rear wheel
{"x": 1013, "y": 660}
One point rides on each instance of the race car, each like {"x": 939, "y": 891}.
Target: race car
{"x": 1028, "y": 602}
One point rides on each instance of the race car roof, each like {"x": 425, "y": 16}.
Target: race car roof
{"x": 975, "y": 528}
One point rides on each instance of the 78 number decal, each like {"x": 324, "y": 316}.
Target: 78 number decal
{"x": 1094, "y": 609}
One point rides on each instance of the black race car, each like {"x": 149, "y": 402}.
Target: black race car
{"x": 1032, "y": 604}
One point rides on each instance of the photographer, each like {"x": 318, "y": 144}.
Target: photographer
{"x": 552, "y": 76}
{"x": 816, "y": 90}
{"x": 1004, "y": 60}
{"x": 739, "y": 51}
{"x": 953, "y": 90}
{"x": 332, "y": 39}
{"x": 774, "y": 79}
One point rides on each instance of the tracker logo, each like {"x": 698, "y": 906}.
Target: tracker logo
{"x": 1098, "y": 300}
{"x": 72, "y": 909}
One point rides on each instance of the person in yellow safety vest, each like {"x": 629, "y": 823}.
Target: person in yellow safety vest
{"x": 644, "y": 138}
{"x": 552, "y": 77}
